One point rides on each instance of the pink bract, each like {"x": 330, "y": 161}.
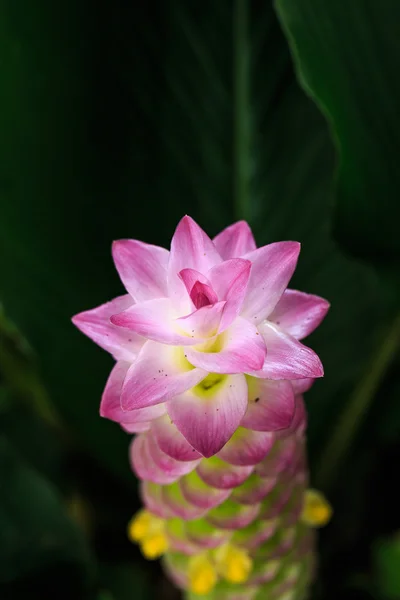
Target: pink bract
{"x": 200, "y": 326}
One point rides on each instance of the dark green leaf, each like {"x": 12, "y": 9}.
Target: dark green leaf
{"x": 243, "y": 141}
{"x": 114, "y": 124}
{"x": 348, "y": 55}
{"x": 54, "y": 250}
{"x": 387, "y": 560}
{"x": 35, "y": 531}
{"x": 126, "y": 582}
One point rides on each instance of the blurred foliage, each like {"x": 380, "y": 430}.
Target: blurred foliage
{"x": 115, "y": 120}
{"x": 331, "y": 41}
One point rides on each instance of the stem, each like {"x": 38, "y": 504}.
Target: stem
{"x": 241, "y": 111}
{"x": 355, "y": 410}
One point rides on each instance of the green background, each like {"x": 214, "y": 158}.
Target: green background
{"x": 116, "y": 119}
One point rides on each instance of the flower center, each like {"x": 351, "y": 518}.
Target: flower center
{"x": 202, "y": 294}
{"x": 210, "y": 384}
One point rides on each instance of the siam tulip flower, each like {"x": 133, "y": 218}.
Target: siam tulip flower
{"x": 210, "y": 374}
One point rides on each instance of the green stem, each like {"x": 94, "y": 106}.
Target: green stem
{"x": 241, "y": 77}
{"x": 355, "y": 410}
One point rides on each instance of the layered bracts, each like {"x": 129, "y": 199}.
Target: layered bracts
{"x": 210, "y": 374}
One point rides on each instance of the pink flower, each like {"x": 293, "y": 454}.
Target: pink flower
{"x": 205, "y": 335}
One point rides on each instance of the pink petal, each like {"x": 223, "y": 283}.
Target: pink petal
{"x": 202, "y": 323}
{"x": 209, "y": 418}
{"x": 258, "y": 532}
{"x": 232, "y": 515}
{"x": 284, "y": 454}
{"x": 302, "y": 385}
{"x": 171, "y": 441}
{"x": 202, "y": 295}
{"x": 272, "y": 507}
{"x": 190, "y": 277}
{"x": 178, "y": 505}
{"x": 271, "y": 270}
{"x": 221, "y": 475}
{"x": 176, "y": 571}
{"x": 158, "y": 374}
{"x": 143, "y": 465}
{"x": 235, "y": 240}
{"x": 142, "y": 268}
{"x": 205, "y": 535}
{"x": 247, "y": 447}
{"x": 140, "y": 427}
{"x": 271, "y": 405}
{"x": 154, "y": 320}
{"x": 242, "y": 349}
{"x": 299, "y": 423}
{"x": 298, "y": 314}
{"x": 150, "y": 494}
{"x": 286, "y": 357}
{"x": 191, "y": 248}
{"x": 229, "y": 279}
{"x": 199, "y": 493}
{"x": 110, "y": 406}
{"x": 254, "y": 489}
{"x": 166, "y": 463}
{"x": 96, "y": 324}
{"x": 181, "y": 545}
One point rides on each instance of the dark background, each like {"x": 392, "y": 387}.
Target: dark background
{"x": 116, "y": 118}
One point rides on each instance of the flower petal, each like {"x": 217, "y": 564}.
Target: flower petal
{"x": 199, "y": 493}
{"x": 96, "y": 324}
{"x": 235, "y": 240}
{"x": 286, "y": 357}
{"x": 202, "y": 323}
{"x": 229, "y": 279}
{"x": 258, "y": 532}
{"x": 178, "y": 505}
{"x": 142, "y": 268}
{"x": 140, "y": 427}
{"x": 143, "y": 465}
{"x": 175, "y": 468}
{"x": 242, "y": 349}
{"x": 271, "y": 405}
{"x": 178, "y": 540}
{"x": 271, "y": 270}
{"x": 158, "y": 374}
{"x": 190, "y": 277}
{"x": 154, "y": 320}
{"x": 110, "y": 406}
{"x": 150, "y": 494}
{"x": 298, "y": 314}
{"x": 171, "y": 441}
{"x": 254, "y": 489}
{"x": 302, "y": 385}
{"x": 190, "y": 248}
{"x": 221, "y": 475}
{"x": 208, "y": 417}
{"x": 231, "y": 515}
{"x": 283, "y": 455}
{"x": 205, "y": 535}
{"x": 247, "y": 447}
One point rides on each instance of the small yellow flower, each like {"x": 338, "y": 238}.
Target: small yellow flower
{"x": 233, "y": 563}
{"x": 149, "y": 532}
{"x": 317, "y": 511}
{"x": 201, "y": 573}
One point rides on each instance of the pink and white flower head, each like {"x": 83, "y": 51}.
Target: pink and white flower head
{"x": 208, "y": 334}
